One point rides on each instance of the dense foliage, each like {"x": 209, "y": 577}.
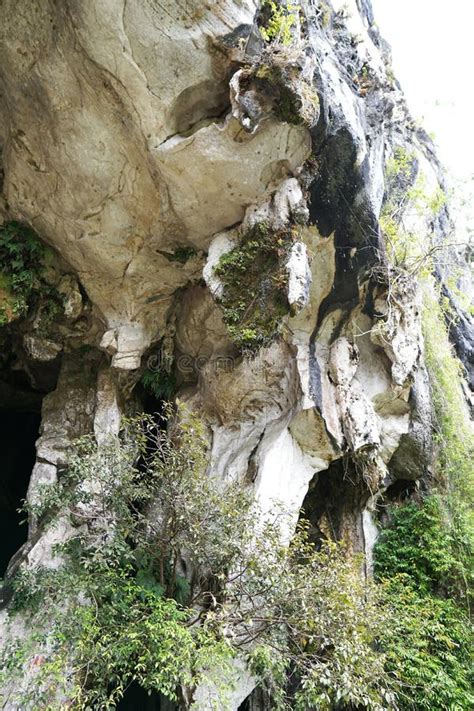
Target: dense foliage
{"x": 423, "y": 559}
{"x": 428, "y": 644}
{"x": 160, "y": 383}
{"x": 165, "y": 578}
{"x": 277, "y": 20}
{"x": 418, "y": 544}
{"x": 22, "y": 257}
{"x": 408, "y": 195}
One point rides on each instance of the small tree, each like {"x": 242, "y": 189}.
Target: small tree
{"x": 171, "y": 573}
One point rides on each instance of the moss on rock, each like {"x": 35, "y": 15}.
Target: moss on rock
{"x": 255, "y": 280}
{"x": 277, "y": 80}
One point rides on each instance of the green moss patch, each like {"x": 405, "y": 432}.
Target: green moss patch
{"x": 277, "y": 79}
{"x": 254, "y": 279}
{"x": 289, "y": 105}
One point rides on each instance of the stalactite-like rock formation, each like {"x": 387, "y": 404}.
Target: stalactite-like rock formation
{"x": 214, "y": 206}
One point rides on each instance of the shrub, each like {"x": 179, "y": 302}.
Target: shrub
{"x": 405, "y": 190}
{"x": 428, "y": 640}
{"x": 418, "y": 544}
{"x": 423, "y": 560}
{"x": 160, "y": 383}
{"x": 277, "y": 21}
{"x": 167, "y": 575}
{"x": 22, "y": 258}
{"x": 428, "y": 644}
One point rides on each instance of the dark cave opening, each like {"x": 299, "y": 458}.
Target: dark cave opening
{"x": 152, "y": 405}
{"x": 334, "y": 503}
{"x": 153, "y": 408}
{"x": 19, "y": 431}
{"x": 136, "y": 698}
{"x": 401, "y": 490}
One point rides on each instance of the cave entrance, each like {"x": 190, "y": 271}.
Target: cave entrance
{"x": 257, "y": 699}
{"x": 246, "y": 704}
{"x": 136, "y": 698}
{"x": 19, "y": 431}
{"x": 334, "y": 504}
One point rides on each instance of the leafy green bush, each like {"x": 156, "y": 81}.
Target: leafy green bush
{"x": 160, "y": 383}
{"x": 22, "y": 260}
{"x": 327, "y": 647}
{"x": 107, "y": 628}
{"x": 423, "y": 559}
{"x": 428, "y": 640}
{"x": 418, "y": 544}
{"x": 278, "y": 19}
{"x": 406, "y": 191}
{"x": 428, "y": 644}
{"x": 167, "y": 575}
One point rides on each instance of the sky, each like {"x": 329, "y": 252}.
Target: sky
{"x": 432, "y": 45}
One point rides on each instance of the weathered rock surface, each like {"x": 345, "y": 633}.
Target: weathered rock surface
{"x": 134, "y": 147}
{"x": 96, "y": 160}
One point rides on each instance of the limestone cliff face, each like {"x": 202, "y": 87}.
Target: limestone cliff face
{"x": 143, "y": 141}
